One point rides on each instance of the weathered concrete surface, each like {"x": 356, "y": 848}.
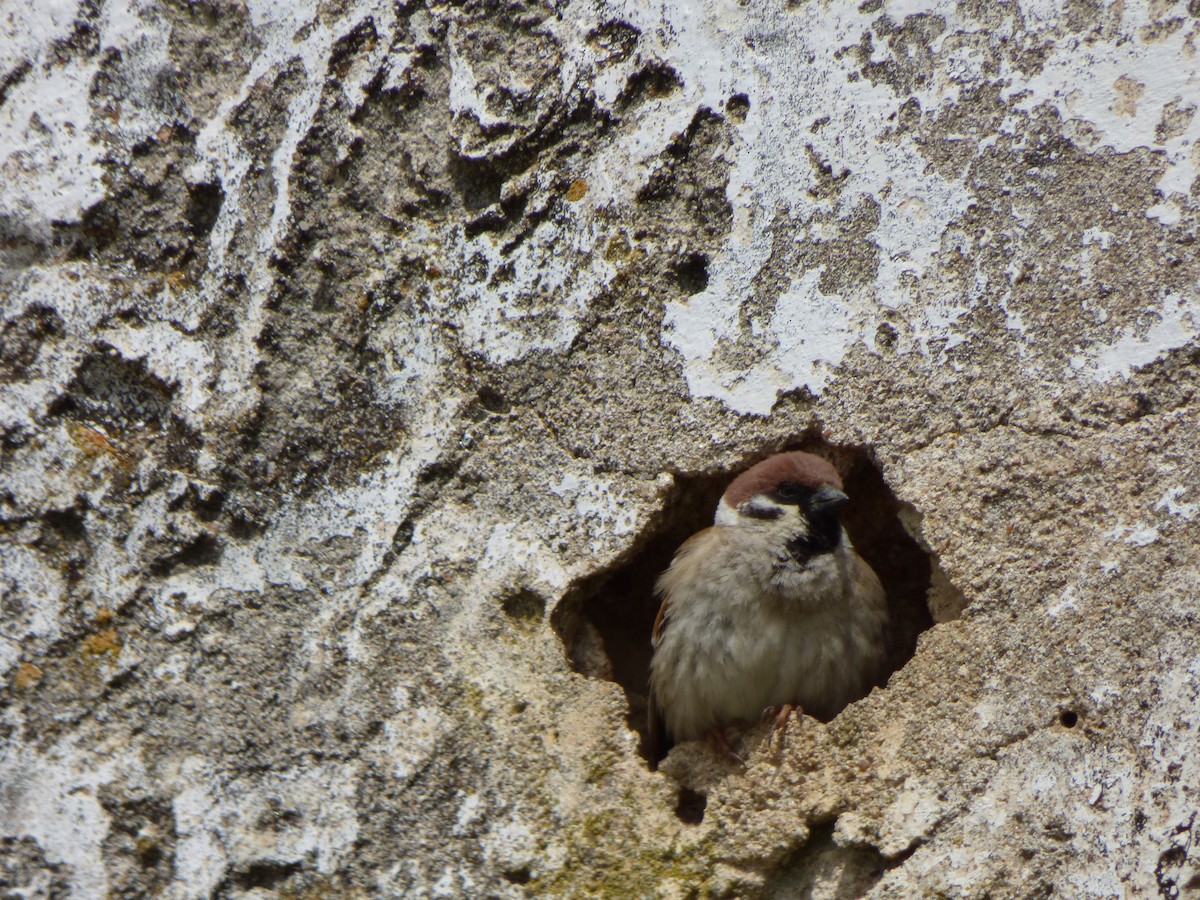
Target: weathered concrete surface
{"x": 343, "y": 341}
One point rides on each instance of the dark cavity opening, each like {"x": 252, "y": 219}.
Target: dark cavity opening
{"x": 524, "y": 604}
{"x": 819, "y": 867}
{"x": 690, "y": 807}
{"x": 518, "y": 876}
{"x": 736, "y": 108}
{"x": 1068, "y": 718}
{"x": 691, "y": 273}
{"x": 605, "y": 621}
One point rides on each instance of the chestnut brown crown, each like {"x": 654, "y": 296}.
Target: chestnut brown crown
{"x": 797, "y": 467}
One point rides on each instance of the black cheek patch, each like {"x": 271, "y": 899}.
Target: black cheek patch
{"x": 767, "y": 513}
{"x": 825, "y": 533}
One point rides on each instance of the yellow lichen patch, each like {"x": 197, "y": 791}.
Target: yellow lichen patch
{"x": 356, "y": 302}
{"x": 103, "y": 641}
{"x": 104, "y": 615}
{"x": 575, "y": 192}
{"x": 618, "y": 248}
{"x": 90, "y": 441}
{"x": 27, "y": 676}
{"x": 95, "y": 443}
{"x": 178, "y": 281}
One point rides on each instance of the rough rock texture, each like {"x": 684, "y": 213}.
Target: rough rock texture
{"x": 360, "y": 362}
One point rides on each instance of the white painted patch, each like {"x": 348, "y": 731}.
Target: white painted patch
{"x": 1105, "y": 696}
{"x": 217, "y": 820}
{"x": 1139, "y": 535}
{"x": 1170, "y": 503}
{"x": 794, "y": 72}
{"x": 597, "y": 499}
{"x": 287, "y": 32}
{"x": 468, "y": 813}
{"x": 515, "y": 549}
{"x": 1142, "y": 537}
{"x": 1121, "y": 87}
{"x": 1175, "y": 324}
{"x": 467, "y": 95}
{"x": 50, "y": 151}
{"x": 51, "y": 797}
{"x": 507, "y": 292}
{"x": 1165, "y": 213}
{"x": 1067, "y": 602}
{"x": 1097, "y": 236}
{"x": 174, "y": 358}
{"x": 34, "y": 592}
{"x": 807, "y": 335}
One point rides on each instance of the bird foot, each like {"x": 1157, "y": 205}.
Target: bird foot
{"x": 781, "y": 715}
{"x": 718, "y": 741}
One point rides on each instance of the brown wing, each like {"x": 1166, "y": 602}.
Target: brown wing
{"x": 657, "y": 738}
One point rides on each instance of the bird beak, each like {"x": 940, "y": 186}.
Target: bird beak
{"x": 828, "y": 499}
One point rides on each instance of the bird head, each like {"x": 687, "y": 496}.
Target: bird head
{"x": 795, "y": 495}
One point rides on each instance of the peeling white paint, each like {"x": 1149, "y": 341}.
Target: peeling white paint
{"x": 1171, "y": 504}
{"x": 1097, "y": 236}
{"x": 808, "y": 334}
{"x": 795, "y": 338}
{"x": 51, "y": 797}
{"x": 1175, "y": 324}
{"x": 594, "y": 498}
{"x": 171, "y": 356}
{"x": 1120, "y": 88}
{"x": 50, "y": 142}
{"x": 287, "y": 32}
{"x": 1165, "y": 213}
{"x": 223, "y": 821}
{"x": 794, "y": 72}
{"x": 1139, "y": 535}
{"x": 33, "y": 593}
{"x": 467, "y": 96}
{"x": 516, "y": 549}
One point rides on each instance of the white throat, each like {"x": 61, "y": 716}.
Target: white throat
{"x": 726, "y": 514}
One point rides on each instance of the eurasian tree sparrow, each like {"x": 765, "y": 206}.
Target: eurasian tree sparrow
{"x": 771, "y": 607}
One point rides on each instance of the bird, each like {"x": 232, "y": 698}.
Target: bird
{"x": 770, "y": 609}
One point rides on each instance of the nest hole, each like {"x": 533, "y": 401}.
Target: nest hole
{"x": 606, "y": 620}
{"x": 518, "y": 876}
{"x": 690, "y": 806}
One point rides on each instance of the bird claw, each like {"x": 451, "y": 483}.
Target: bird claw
{"x": 781, "y": 715}
{"x": 718, "y": 741}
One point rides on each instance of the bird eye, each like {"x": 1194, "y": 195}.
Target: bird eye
{"x": 788, "y": 490}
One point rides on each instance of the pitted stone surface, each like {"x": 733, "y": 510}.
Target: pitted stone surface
{"x": 341, "y": 342}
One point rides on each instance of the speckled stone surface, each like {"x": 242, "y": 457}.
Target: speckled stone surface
{"x": 357, "y": 359}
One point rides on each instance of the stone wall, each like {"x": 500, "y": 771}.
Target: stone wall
{"x": 361, "y": 362}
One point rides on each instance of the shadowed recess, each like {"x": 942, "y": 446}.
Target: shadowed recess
{"x": 605, "y": 621}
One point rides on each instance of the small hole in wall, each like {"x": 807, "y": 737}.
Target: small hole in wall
{"x": 518, "y": 876}
{"x": 1067, "y": 718}
{"x": 605, "y": 621}
{"x": 691, "y": 273}
{"x": 524, "y": 604}
{"x": 690, "y": 807}
{"x": 736, "y": 108}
